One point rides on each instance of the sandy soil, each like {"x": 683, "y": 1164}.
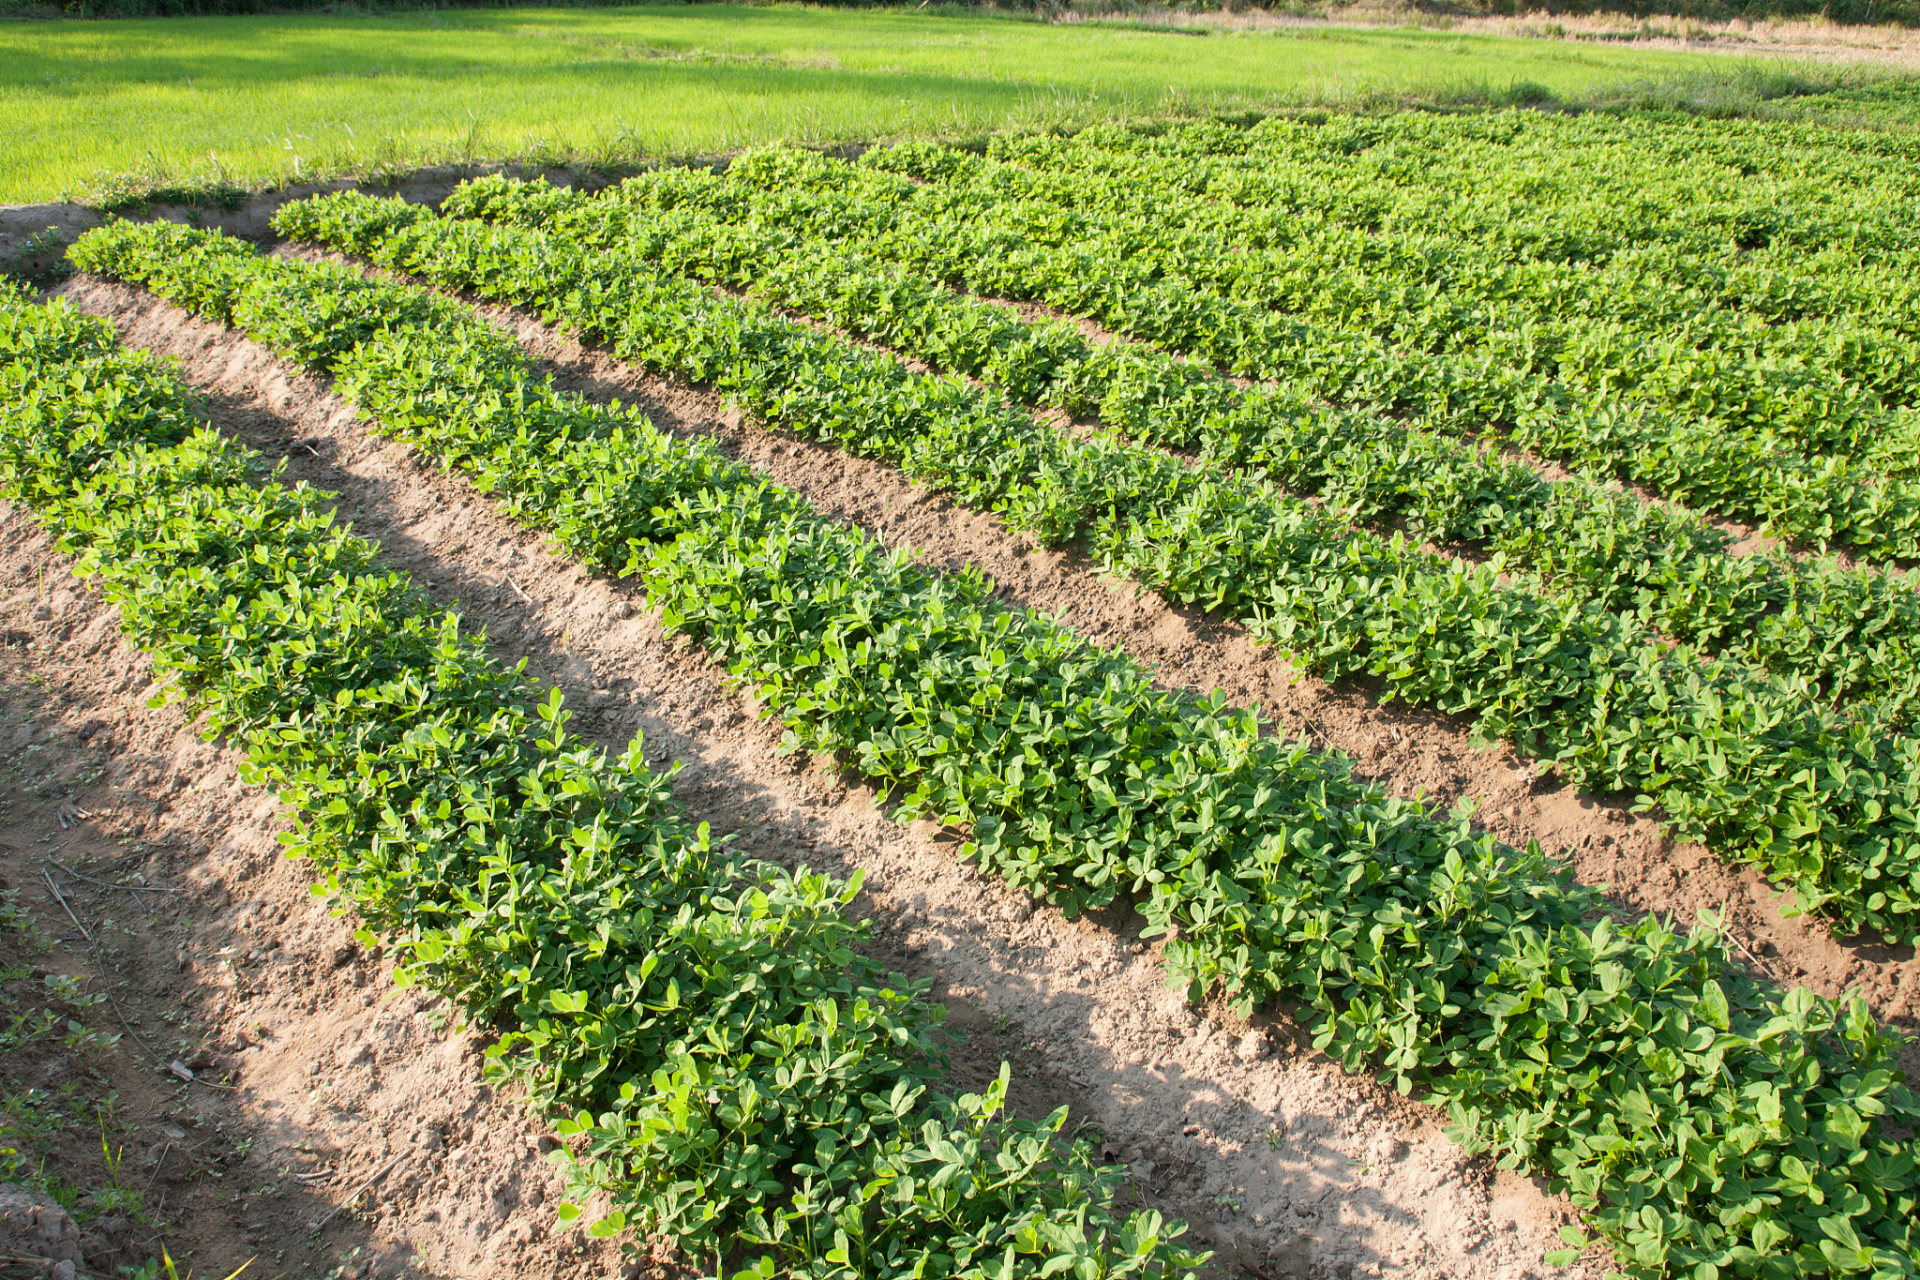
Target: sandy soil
{"x": 1413, "y": 751}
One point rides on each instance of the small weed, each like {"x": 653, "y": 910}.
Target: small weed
{"x": 38, "y": 244}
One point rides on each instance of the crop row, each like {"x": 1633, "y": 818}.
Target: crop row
{"x": 1853, "y": 633}
{"x": 966, "y": 237}
{"x": 1806, "y": 221}
{"x": 1788, "y": 392}
{"x": 1787, "y": 221}
{"x": 1704, "y": 1122}
{"x": 1754, "y": 765}
{"x": 1638, "y": 323}
{"x": 734, "y": 1072}
{"x": 1779, "y": 384}
{"x": 1372, "y": 216}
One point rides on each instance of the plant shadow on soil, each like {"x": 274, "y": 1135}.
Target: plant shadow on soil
{"x": 142, "y": 1159}
{"x": 741, "y": 797}
{"x": 1164, "y": 1093}
{"x": 1313, "y": 718}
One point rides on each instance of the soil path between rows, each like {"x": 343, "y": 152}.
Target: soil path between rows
{"x": 1414, "y": 751}
{"x": 1276, "y": 1157}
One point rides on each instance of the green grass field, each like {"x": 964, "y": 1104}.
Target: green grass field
{"x": 93, "y": 107}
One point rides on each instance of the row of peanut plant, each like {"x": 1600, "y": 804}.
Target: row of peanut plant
{"x": 1756, "y": 765}
{"x": 965, "y": 232}
{"x": 1651, "y": 222}
{"x": 1705, "y": 1123}
{"x": 1837, "y": 384}
{"x": 732, "y": 1071}
{"x": 1852, "y": 632}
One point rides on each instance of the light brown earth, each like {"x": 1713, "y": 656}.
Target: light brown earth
{"x": 311, "y": 1074}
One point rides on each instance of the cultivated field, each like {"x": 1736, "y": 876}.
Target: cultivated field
{"x": 1293, "y": 696}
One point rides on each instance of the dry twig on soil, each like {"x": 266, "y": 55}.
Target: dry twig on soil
{"x": 61, "y": 898}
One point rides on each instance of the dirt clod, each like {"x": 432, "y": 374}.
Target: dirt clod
{"x": 33, "y": 1225}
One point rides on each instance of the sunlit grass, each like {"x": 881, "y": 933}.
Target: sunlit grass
{"x": 258, "y": 100}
